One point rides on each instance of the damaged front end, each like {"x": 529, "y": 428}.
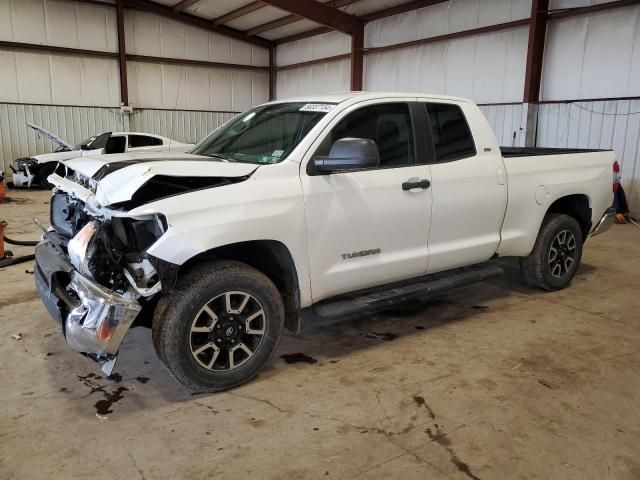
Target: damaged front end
{"x": 93, "y": 273}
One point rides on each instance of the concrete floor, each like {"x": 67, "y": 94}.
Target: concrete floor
{"x": 493, "y": 381}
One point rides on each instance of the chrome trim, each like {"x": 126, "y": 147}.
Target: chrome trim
{"x": 101, "y": 320}
{"x": 605, "y": 222}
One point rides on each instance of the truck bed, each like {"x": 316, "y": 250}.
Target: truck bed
{"x": 536, "y": 151}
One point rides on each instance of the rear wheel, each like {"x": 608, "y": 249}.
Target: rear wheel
{"x": 219, "y": 327}
{"x": 556, "y": 254}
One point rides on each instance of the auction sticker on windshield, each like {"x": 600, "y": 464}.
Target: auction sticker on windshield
{"x": 317, "y": 107}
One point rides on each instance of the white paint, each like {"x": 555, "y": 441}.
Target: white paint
{"x": 319, "y": 218}
{"x": 608, "y": 125}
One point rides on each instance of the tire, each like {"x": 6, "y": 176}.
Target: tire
{"x": 43, "y": 173}
{"x": 186, "y": 336}
{"x": 545, "y": 269}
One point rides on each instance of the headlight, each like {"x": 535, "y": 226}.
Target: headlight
{"x": 81, "y": 248}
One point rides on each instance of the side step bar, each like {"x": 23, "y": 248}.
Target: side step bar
{"x": 423, "y": 287}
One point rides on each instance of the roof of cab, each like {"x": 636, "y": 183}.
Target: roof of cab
{"x": 339, "y": 97}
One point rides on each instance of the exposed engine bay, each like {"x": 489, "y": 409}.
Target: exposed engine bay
{"x": 109, "y": 250}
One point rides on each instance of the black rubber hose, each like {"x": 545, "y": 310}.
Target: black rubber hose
{"x": 14, "y": 260}
{"x": 22, "y": 243}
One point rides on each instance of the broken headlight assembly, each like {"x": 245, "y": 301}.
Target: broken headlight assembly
{"x": 105, "y": 251}
{"x": 81, "y": 247}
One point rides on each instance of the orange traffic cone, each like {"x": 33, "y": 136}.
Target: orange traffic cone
{"x": 3, "y": 191}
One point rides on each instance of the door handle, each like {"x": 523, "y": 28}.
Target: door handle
{"x": 411, "y": 184}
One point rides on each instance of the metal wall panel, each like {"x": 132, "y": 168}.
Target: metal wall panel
{"x": 604, "y": 124}
{"x": 40, "y": 77}
{"x": 444, "y": 18}
{"x": 72, "y": 124}
{"x": 508, "y": 122}
{"x": 319, "y": 46}
{"x": 488, "y": 68}
{"x": 150, "y": 34}
{"x": 314, "y": 79}
{"x": 184, "y": 126}
{"x": 168, "y": 86}
{"x": 60, "y": 23}
{"x": 593, "y": 56}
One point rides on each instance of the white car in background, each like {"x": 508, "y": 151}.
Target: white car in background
{"x": 35, "y": 170}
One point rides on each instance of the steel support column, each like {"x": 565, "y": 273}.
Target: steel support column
{"x": 122, "y": 54}
{"x": 272, "y": 73}
{"x": 357, "y": 55}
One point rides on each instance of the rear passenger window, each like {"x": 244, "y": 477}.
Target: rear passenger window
{"x": 452, "y": 138}
{"x": 143, "y": 141}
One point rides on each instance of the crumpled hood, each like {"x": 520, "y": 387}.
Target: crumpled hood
{"x": 120, "y": 176}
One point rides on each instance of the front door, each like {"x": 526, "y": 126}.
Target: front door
{"x": 364, "y": 228}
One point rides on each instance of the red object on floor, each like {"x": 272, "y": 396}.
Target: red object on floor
{"x": 3, "y": 225}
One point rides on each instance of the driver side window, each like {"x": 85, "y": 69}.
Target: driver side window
{"x": 387, "y": 124}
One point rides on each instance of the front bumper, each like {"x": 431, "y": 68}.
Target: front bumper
{"x": 94, "y": 320}
{"x": 605, "y": 222}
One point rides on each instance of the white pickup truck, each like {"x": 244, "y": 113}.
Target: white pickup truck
{"x": 335, "y": 205}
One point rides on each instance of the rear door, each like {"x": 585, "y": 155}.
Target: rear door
{"x": 363, "y": 227}
{"x": 468, "y": 187}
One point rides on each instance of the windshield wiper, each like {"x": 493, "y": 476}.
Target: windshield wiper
{"x": 221, "y": 156}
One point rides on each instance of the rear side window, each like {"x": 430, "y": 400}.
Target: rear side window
{"x": 143, "y": 141}
{"x": 450, "y": 131}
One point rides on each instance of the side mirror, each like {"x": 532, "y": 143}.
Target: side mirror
{"x": 84, "y": 147}
{"x": 349, "y": 154}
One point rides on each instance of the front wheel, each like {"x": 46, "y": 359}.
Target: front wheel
{"x": 556, "y": 254}
{"x": 219, "y": 327}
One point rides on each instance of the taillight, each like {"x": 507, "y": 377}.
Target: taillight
{"x": 616, "y": 176}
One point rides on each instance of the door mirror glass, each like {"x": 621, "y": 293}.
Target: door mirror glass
{"x": 349, "y": 154}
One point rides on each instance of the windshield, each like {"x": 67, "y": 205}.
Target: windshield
{"x": 86, "y": 142}
{"x": 263, "y": 135}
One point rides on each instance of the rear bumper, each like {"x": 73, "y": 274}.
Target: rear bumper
{"x": 605, "y": 222}
{"x": 94, "y": 320}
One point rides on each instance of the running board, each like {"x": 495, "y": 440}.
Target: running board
{"x": 424, "y": 287}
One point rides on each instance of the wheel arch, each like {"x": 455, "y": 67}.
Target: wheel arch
{"x": 578, "y": 206}
{"x": 270, "y": 257}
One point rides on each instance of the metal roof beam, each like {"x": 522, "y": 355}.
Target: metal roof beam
{"x": 280, "y": 22}
{"x": 168, "y": 12}
{"x": 180, "y": 6}
{"x": 319, "y": 13}
{"x": 239, "y": 12}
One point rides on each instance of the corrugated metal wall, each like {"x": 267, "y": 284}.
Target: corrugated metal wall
{"x": 605, "y": 124}
{"x": 75, "y": 96}
{"x": 184, "y": 126}
{"x": 74, "y": 124}
{"x": 509, "y": 123}
{"x": 332, "y": 76}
